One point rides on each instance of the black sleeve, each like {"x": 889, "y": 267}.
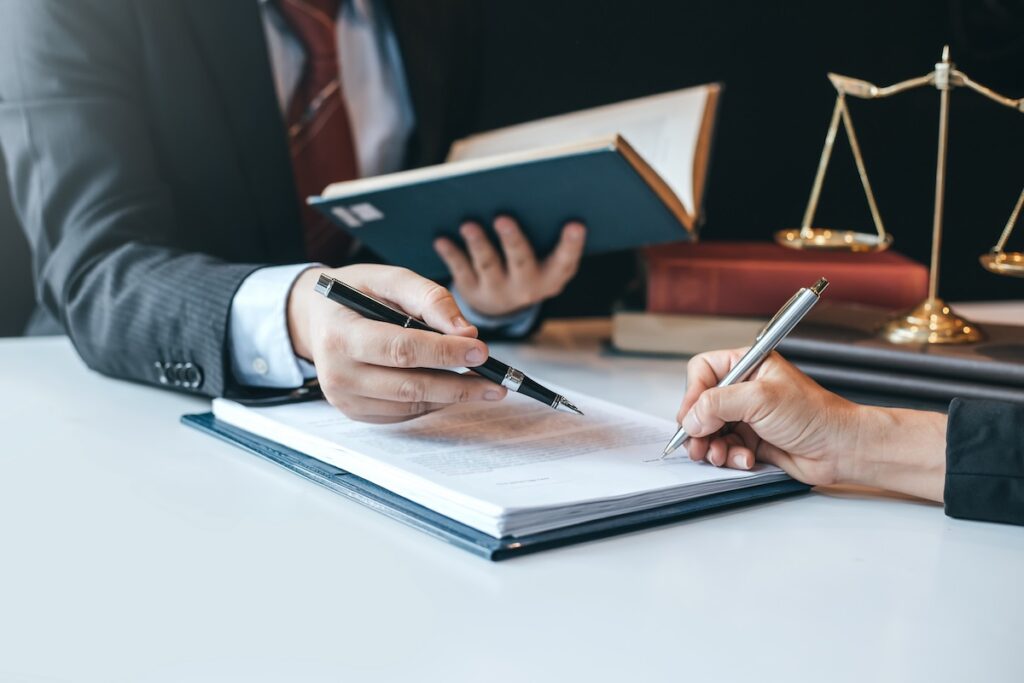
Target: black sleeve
{"x": 89, "y": 195}
{"x": 985, "y": 461}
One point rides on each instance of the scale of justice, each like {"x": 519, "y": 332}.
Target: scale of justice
{"x": 932, "y": 321}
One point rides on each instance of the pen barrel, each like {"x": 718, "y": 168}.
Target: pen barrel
{"x": 780, "y": 326}
{"x": 516, "y": 381}
{"x": 492, "y": 369}
{"x": 788, "y": 318}
{"x": 538, "y": 392}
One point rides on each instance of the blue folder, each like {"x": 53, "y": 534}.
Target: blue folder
{"x": 415, "y": 515}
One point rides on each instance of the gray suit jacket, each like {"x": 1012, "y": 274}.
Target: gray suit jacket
{"x": 149, "y": 169}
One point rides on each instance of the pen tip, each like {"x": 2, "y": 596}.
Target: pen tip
{"x": 566, "y": 406}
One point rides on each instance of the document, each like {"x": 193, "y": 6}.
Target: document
{"x": 509, "y": 468}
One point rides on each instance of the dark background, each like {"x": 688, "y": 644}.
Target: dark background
{"x": 543, "y": 58}
{"x": 553, "y": 56}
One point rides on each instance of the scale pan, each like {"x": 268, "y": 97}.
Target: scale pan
{"x": 1004, "y": 263}
{"x": 826, "y": 239}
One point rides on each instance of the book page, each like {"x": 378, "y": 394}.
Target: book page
{"x": 664, "y": 129}
{"x": 480, "y": 461}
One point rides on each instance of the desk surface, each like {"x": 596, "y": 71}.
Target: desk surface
{"x": 134, "y": 549}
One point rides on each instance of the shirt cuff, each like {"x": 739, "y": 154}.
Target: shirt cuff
{"x": 512, "y": 325}
{"x": 258, "y": 340}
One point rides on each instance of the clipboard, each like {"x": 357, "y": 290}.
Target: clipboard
{"x": 443, "y": 528}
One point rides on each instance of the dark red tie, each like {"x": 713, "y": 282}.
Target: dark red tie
{"x": 319, "y": 130}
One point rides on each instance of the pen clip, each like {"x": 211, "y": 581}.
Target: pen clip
{"x": 778, "y": 314}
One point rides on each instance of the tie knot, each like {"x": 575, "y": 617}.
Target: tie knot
{"x": 313, "y": 21}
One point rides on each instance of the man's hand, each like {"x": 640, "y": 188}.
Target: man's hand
{"x": 494, "y": 285}
{"x": 378, "y": 372}
{"x": 781, "y": 416}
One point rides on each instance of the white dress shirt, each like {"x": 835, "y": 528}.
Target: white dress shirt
{"x": 382, "y": 119}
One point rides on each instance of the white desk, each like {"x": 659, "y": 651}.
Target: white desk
{"x": 135, "y": 549}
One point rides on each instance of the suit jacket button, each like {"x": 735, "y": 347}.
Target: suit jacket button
{"x": 161, "y": 372}
{"x": 192, "y": 375}
{"x": 179, "y": 374}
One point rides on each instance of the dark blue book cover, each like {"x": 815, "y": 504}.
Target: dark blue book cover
{"x": 603, "y": 183}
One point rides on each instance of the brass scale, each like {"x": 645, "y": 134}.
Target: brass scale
{"x": 931, "y": 322}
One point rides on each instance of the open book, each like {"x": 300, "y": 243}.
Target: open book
{"x": 634, "y": 172}
{"x": 509, "y": 469}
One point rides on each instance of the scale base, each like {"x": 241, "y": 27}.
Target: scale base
{"x": 931, "y": 322}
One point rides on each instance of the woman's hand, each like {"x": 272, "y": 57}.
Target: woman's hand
{"x": 496, "y": 286}
{"x": 781, "y": 416}
{"x": 376, "y": 372}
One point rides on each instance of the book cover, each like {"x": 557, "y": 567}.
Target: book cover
{"x": 600, "y": 185}
{"x": 634, "y": 172}
{"x": 756, "y": 278}
{"x": 838, "y": 346}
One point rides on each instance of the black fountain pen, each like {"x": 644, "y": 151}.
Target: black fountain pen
{"x": 492, "y": 368}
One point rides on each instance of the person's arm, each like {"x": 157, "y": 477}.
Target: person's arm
{"x": 783, "y": 417}
{"x": 973, "y": 460}
{"x": 262, "y": 354}
{"x": 101, "y": 223}
{"x": 105, "y": 235}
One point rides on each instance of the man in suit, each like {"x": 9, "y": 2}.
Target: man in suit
{"x": 972, "y": 460}
{"x": 157, "y": 152}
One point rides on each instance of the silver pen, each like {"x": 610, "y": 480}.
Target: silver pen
{"x": 774, "y": 332}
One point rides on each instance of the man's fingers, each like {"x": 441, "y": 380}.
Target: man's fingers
{"x": 563, "y": 262}
{"x": 412, "y": 385}
{"x": 485, "y": 258}
{"x": 383, "y": 344}
{"x": 457, "y": 262}
{"x": 520, "y": 261}
{"x": 417, "y": 296}
{"x": 380, "y": 411}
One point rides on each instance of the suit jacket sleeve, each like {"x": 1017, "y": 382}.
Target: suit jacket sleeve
{"x": 85, "y": 182}
{"x": 985, "y": 461}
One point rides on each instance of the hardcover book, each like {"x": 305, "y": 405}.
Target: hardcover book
{"x": 755, "y": 278}
{"x": 633, "y": 172}
{"x": 838, "y": 345}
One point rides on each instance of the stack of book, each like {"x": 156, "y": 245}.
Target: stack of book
{"x": 720, "y": 295}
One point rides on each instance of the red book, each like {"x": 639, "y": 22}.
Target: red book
{"x": 756, "y": 278}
